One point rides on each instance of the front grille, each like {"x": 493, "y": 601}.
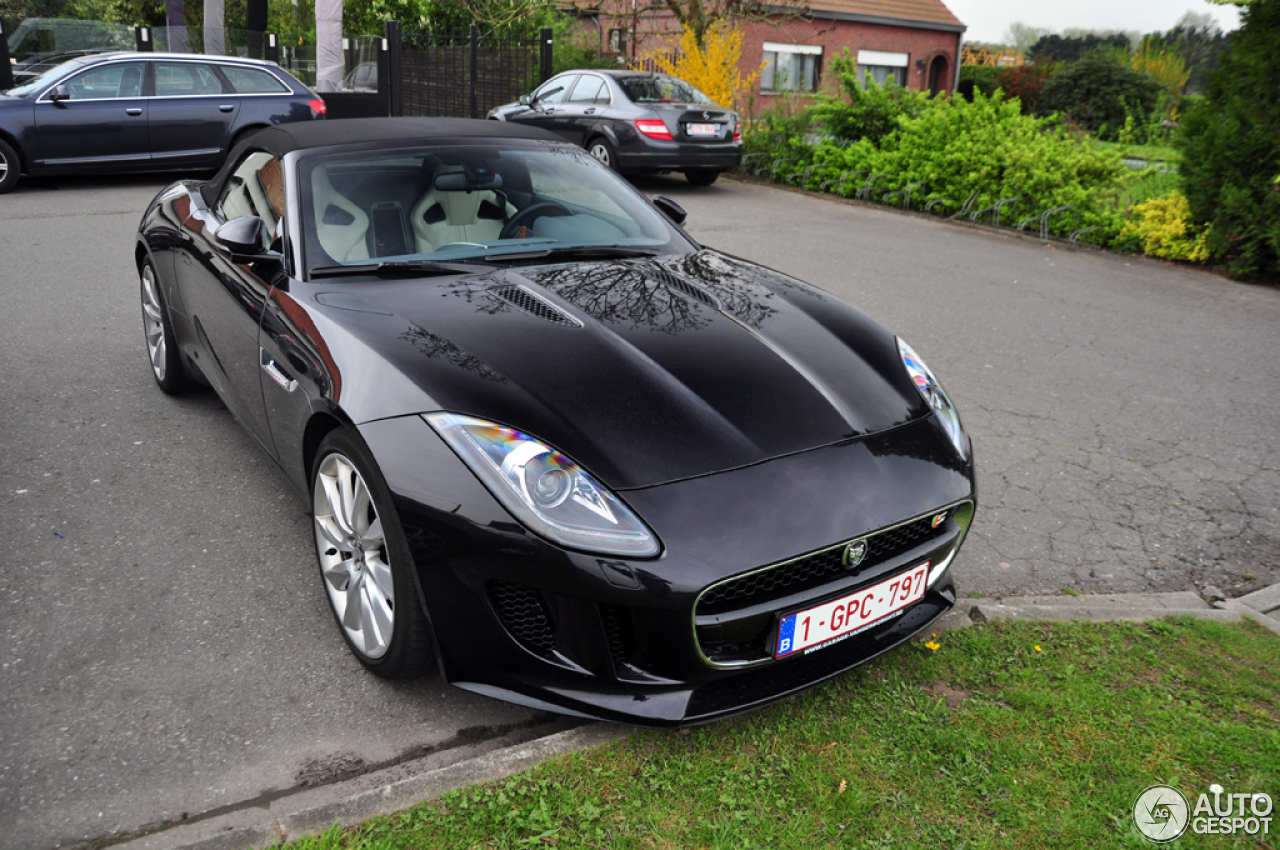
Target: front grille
{"x": 617, "y": 631}
{"x": 816, "y": 569}
{"x": 524, "y": 615}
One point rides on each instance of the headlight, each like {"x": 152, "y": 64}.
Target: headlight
{"x": 545, "y": 490}
{"x": 931, "y": 388}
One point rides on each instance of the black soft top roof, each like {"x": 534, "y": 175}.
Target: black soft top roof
{"x": 304, "y": 135}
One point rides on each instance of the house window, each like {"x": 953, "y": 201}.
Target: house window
{"x": 790, "y": 67}
{"x": 879, "y": 65}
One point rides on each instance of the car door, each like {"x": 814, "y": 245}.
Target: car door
{"x": 580, "y": 112}
{"x": 103, "y": 117}
{"x": 548, "y": 100}
{"x": 223, "y": 298}
{"x": 192, "y": 113}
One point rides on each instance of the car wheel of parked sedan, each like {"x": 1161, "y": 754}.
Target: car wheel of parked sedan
{"x": 165, "y": 363}
{"x": 365, "y": 562}
{"x": 600, "y": 148}
{"x": 702, "y": 176}
{"x": 10, "y": 167}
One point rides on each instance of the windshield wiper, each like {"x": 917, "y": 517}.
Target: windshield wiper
{"x": 601, "y": 252}
{"x": 419, "y": 268}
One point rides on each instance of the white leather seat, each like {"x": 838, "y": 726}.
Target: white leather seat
{"x": 340, "y": 224}
{"x": 442, "y": 218}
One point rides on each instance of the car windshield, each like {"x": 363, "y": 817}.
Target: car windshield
{"x": 55, "y": 73}
{"x": 659, "y": 89}
{"x": 494, "y": 203}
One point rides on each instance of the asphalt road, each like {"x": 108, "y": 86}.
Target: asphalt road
{"x": 167, "y": 646}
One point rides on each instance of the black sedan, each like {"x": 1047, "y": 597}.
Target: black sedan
{"x": 635, "y": 122}
{"x": 118, "y": 111}
{"x": 552, "y": 446}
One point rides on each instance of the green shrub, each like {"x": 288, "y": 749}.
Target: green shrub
{"x": 1231, "y": 148}
{"x": 1099, "y": 93}
{"x": 866, "y": 110}
{"x": 977, "y": 78}
{"x": 1162, "y": 227}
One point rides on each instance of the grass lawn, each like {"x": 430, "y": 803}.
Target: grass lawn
{"x": 1151, "y": 153}
{"x": 1006, "y": 735}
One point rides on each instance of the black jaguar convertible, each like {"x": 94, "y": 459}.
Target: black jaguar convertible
{"x": 552, "y": 445}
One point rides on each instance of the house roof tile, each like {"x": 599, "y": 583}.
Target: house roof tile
{"x": 933, "y": 11}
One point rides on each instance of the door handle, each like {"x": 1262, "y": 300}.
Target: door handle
{"x": 591, "y": 111}
{"x": 226, "y": 107}
{"x": 273, "y": 371}
{"x": 133, "y": 111}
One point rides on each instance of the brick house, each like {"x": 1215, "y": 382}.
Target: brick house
{"x": 917, "y": 42}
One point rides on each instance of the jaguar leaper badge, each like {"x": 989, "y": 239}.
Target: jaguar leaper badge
{"x": 854, "y": 553}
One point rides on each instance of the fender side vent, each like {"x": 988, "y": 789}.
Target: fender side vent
{"x": 533, "y": 304}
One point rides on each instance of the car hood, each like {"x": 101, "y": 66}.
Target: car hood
{"x": 643, "y": 371}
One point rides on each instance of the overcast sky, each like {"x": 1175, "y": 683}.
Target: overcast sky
{"x": 988, "y": 20}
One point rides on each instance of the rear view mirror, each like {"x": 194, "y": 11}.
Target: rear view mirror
{"x": 670, "y": 209}
{"x": 467, "y": 181}
{"x": 242, "y": 238}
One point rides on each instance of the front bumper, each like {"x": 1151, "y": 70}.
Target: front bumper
{"x": 685, "y": 637}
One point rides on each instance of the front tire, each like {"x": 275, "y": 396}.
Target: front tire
{"x": 10, "y": 167}
{"x": 365, "y": 562}
{"x": 162, "y": 348}
{"x": 702, "y": 176}
{"x": 600, "y": 148}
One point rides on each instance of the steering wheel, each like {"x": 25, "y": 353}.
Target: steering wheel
{"x": 529, "y": 214}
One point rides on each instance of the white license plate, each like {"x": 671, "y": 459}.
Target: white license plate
{"x": 702, "y": 129}
{"x": 851, "y": 614}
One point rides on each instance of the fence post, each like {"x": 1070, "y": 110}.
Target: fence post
{"x": 473, "y": 74}
{"x": 395, "y": 68}
{"x": 384, "y": 78}
{"x": 6, "y": 67}
{"x": 544, "y": 53}
{"x": 142, "y": 38}
{"x": 273, "y": 48}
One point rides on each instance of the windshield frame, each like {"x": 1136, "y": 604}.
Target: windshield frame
{"x": 662, "y": 238}
{"x": 52, "y": 76}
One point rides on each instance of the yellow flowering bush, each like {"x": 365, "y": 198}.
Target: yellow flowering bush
{"x": 1162, "y": 227}
{"x": 711, "y": 67}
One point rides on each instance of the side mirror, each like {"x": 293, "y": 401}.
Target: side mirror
{"x": 242, "y": 238}
{"x": 525, "y": 100}
{"x": 670, "y": 209}
{"x": 60, "y": 92}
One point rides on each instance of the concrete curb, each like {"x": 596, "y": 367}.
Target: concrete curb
{"x": 354, "y": 801}
{"x": 312, "y": 811}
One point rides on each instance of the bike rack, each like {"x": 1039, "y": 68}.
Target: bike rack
{"x": 865, "y": 192}
{"x": 804, "y": 178}
{"x": 905, "y": 192}
{"x": 967, "y": 204}
{"x": 1075, "y": 237}
{"x": 996, "y": 208}
{"x": 778, "y": 163}
{"x": 841, "y": 179}
{"x": 1044, "y": 219}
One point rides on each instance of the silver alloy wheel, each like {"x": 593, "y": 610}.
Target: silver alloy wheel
{"x": 353, "y": 556}
{"x": 600, "y": 151}
{"x": 153, "y": 322}
{"x": 4, "y": 167}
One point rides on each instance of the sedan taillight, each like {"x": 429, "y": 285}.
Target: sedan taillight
{"x": 737, "y": 131}
{"x": 654, "y": 129}
{"x": 317, "y": 107}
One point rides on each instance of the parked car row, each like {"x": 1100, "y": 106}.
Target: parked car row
{"x": 142, "y": 111}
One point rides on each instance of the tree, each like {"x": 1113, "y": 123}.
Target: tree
{"x": 1022, "y": 36}
{"x": 1070, "y": 48}
{"x": 1231, "y": 149}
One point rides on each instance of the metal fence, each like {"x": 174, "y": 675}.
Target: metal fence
{"x": 464, "y": 74}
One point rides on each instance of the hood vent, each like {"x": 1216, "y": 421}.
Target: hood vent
{"x": 534, "y": 305}
{"x": 685, "y": 288}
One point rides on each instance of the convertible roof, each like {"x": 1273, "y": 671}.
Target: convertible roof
{"x": 304, "y": 135}
{"x": 301, "y": 135}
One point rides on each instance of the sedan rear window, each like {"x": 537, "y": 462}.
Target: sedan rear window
{"x": 661, "y": 90}
{"x": 252, "y": 80}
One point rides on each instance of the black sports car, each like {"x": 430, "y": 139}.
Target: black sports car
{"x": 552, "y": 444}
{"x": 635, "y": 121}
